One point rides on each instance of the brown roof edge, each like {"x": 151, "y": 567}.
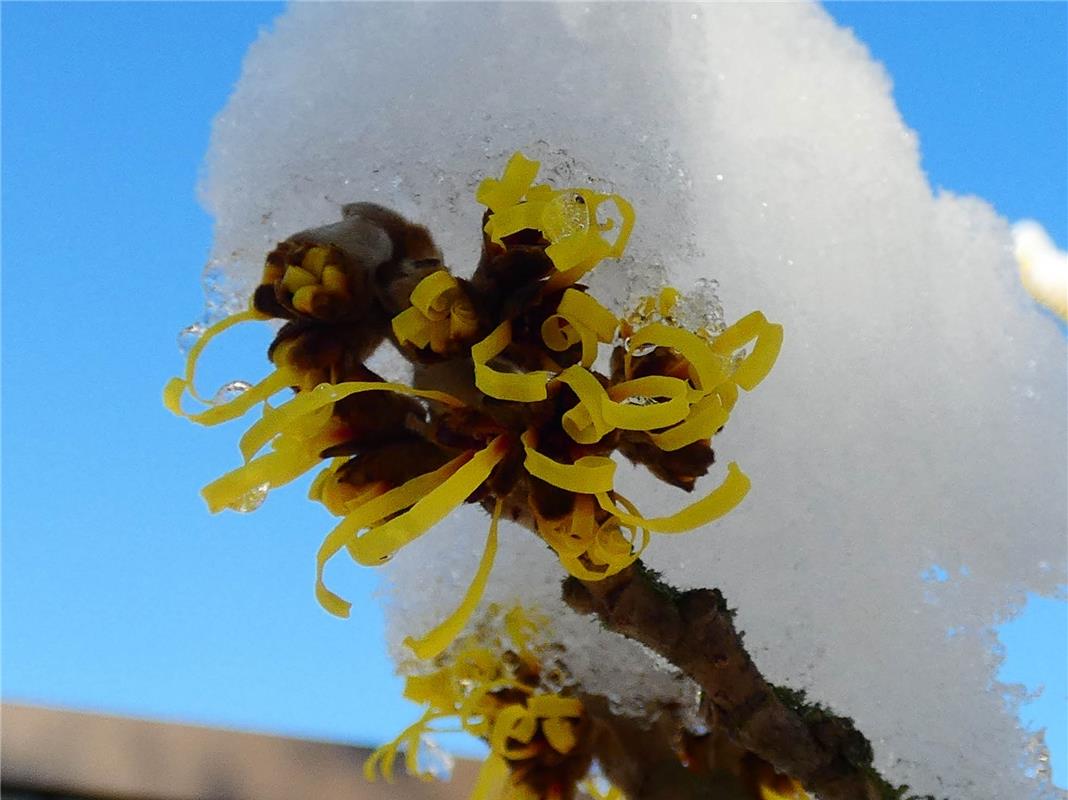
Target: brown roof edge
{"x": 52, "y": 750}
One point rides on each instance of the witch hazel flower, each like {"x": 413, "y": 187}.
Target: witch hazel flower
{"x": 512, "y": 405}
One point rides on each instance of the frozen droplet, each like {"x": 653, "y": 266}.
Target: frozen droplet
{"x": 700, "y": 307}
{"x": 189, "y": 335}
{"x": 215, "y": 284}
{"x": 601, "y": 785}
{"x": 433, "y": 760}
{"x": 252, "y": 499}
{"x": 565, "y": 215}
{"x": 230, "y": 391}
{"x": 719, "y": 177}
{"x": 1038, "y": 752}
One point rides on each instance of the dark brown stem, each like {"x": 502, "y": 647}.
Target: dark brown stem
{"x": 695, "y": 631}
{"x": 641, "y": 758}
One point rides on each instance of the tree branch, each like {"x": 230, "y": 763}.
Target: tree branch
{"x": 695, "y": 631}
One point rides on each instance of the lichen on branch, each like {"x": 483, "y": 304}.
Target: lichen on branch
{"x": 695, "y": 631}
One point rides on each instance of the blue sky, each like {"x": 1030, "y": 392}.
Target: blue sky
{"x": 120, "y": 593}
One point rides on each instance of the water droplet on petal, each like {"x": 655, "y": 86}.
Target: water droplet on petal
{"x": 565, "y": 215}
{"x": 433, "y": 760}
{"x": 596, "y": 784}
{"x": 252, "y": 499}
{"x": 188, "y": 336}
{"x": 230, "y": 391}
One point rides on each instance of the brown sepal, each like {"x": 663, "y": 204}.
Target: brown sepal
{"x": 680, "y": 467}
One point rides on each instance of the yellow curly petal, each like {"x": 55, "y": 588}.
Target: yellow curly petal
{"x": 588, "y": 475}
{"x": 339, "y": 497}
{"x": 571, "y": 536}
{"x": 582, "y": 246}
{"x": 514, "y": 722}
{"x": 584, "y": 423}
{"x": 363, "y": 516}
{"x": 434, "y": 642}
{"x": 560, "y": 734}
{"x": 411, "y": 325}
{"x": 578, "y": 251}
{"x": 614, "y": 550}
{"x": 521, "y": 626}
{"x": 728, "y": 395}
{"x": 440, "y": 313}
{"x": 435, "y": 690}
{"x": 579, "y": 318}
{"x": 706, "y": 417}
{"x": 755, "y": 366}
{"x": 379, "y": 543}
{"x": 477, "y": 709}
{"x": 607, "y": 551}
{"x": 718, "y": 502}
{"x": 431, "y": 294}
{"x": 566, "y": 218}
{"x": 559, "y": 333}
{"x": 318, "y": 484}
{"x": 520, "y": 723}
{"x": 666, "y": 302}
{"x": 384, "y": 757}
{"x": 522, "y": 387}
{"x": 463, "y": 321}
{"x": 189, "y": 379}
{"x": 525, "y": 216}
{"x": 276, "y": 420}
{"x": 708, "y": 367}
{"x": 642, "y": 417}
{"x": 224, "y": 412}
{"x": 271, "y": 471}
{"x": 590, "y": 312}
{"x": 553, "y": 705}
{"x": 518, "y": 175}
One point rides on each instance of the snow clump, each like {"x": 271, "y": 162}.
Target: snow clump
{"x": 908, "y": 452}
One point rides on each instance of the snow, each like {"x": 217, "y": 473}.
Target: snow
{"x": 915, "y": 425}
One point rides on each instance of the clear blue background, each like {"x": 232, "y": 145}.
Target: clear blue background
{"x": 120, "y": 593}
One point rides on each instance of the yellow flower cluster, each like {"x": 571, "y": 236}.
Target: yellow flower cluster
{"x": 670, "y": 391}
{"x": 567, "y": 218}
{"x": 491, "y": 683}
{"x": 440, "y": 312}
{"x": 488, "y": 686}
